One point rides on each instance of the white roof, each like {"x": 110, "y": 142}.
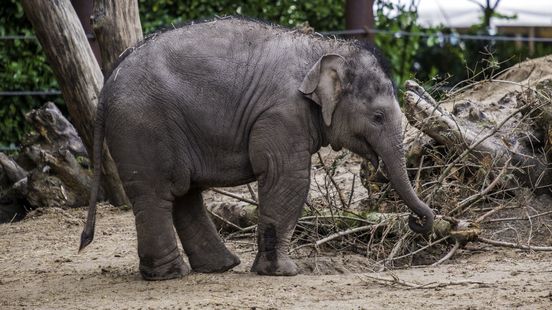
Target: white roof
{"x": 464, "y": 13}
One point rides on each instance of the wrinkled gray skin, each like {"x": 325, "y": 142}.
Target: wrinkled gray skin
{"x": 228, "y": 102}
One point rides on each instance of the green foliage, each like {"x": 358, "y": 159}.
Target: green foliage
{"x": 22, "y": 67}
{"x": 430, "y": 57}
{"x": 321, "y": 14}
{"x": 400, "y": 50}
{"x": 426, "y": 56}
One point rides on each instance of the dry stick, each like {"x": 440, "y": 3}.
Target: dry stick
{"x": 491, "y": 212}
{"x": 514, "y": 245}
{"x": 530, "y": 228}
{"x": 225, "y": 220}
{"x": 242, "y": 232}
{"x": 415, "y": 252}
{"x": 238, "y": 197}
{"x": 396, "y": 281}
{"x": 346, "y": 232}
{"x": 449, "y": 254}
{"x": 418, "y": 174}
{"x": 252, "y": 192}
{"x": 334, "y": 183}
{"x": 398, "y": 245}
{"x": 352, "y": 192}
{"x": 507, "y": 219}
{"x": 359, "y": 219}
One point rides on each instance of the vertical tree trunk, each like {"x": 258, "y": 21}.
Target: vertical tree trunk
{"x": 60, "y": 33}
{"x": 117, "y": 27}
{"x": 359, "y": 14}
{"x": 84, "y": 11}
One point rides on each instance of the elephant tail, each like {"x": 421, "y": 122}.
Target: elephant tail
{"x": 99, "y": 134}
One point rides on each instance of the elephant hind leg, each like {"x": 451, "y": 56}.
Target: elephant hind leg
{"x": 200, "y": 239}
{"x": 160, "y": 257}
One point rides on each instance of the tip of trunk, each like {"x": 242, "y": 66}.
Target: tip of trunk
{"x": 422, "y": 223}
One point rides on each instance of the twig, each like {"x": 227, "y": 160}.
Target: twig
{"x": 507, "y": 219}
{"x": 347, "y": 232}
{"x": 243, "y": 230}
{"x": 238, "y": 197}
{"x": 334, "y": 183}
{"x": 449, "y": 254}
{"x": 464, "y": 204}
{"x": 311, "y": 217}
{"x": 530, "y": 228}
{"x": 252, "y": 192}
{"x": 431, "y": 285}
{"x": 491, "y": 212}
{"x": 225, "y": 220}
{"x": 352, "y": 192}
{"x": 418, "y": 174}
{"x": 415, "y": 252}
{"x": 514, "y": 245}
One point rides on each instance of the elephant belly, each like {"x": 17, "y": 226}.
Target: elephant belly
{"x": 226, "y": 169}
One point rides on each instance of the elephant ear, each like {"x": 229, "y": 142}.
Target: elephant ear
{"x": 323, "y": 84}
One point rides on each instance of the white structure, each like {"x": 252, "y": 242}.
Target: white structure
{"x": 464, "y": 13}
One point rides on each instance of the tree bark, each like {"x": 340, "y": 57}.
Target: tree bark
{"x": 117, "y": 27}
{"x": 359, "y": 14}
{"x": 60, "y": 33}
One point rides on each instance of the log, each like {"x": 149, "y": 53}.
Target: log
{"x": 117, "y": 27}
{"x": 54, "y": 131}
{"x": 54, "y": 170}
{"x": 495, "y": 130}
{"x": 235, "y": 217}
{"x": 59, "y": 175}
{"x": 13, "y": 180}
{"x": 60, "y": 33}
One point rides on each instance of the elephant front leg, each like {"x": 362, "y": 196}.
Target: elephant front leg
{"x": 203, "y": 245}
{"x": 160, "y": 257}
{"x": 283, "y": 187}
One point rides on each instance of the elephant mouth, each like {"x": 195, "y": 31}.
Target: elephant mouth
{"x": 372, "y": 157}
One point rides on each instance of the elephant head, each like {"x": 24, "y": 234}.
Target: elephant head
{"x": 360, "y": 112}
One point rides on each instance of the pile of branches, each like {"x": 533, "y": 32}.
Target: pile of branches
{"x": 479, "y": 158}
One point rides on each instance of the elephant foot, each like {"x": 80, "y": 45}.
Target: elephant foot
{"x": 157, "y": 270}
{"x": 214, "y": 262}
{"x": 273, "y": 264}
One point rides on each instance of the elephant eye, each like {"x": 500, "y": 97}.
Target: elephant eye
{"x": 378, "y": 117}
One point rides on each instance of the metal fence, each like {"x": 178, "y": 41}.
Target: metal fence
{"x": 450, "y": 37}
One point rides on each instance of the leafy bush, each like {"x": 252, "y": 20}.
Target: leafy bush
{"x": 23, "y": 67}
{"x": 321, "y": 14}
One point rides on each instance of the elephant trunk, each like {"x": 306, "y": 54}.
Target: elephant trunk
{"x": 395, "y": 163}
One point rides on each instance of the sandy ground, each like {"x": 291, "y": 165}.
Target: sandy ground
{"x": 40, "y": 269}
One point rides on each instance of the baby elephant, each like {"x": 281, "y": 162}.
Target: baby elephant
{"x": 228, "y": 102}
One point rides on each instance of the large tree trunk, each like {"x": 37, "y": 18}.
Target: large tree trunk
{"x": 117, "y": 27}
{"x": 61, "y": 35}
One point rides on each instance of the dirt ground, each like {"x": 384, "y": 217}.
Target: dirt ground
{"x": 41, "y": 269}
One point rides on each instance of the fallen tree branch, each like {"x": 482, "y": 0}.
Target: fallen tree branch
{"x": 518, "y": 218}
{"x": 238, "y": 197}
{"x": 449, "y": 254}
{"x": 395, "y": 281}
{"x": 334, "y": 183}
{"x": 514, "y": 245}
